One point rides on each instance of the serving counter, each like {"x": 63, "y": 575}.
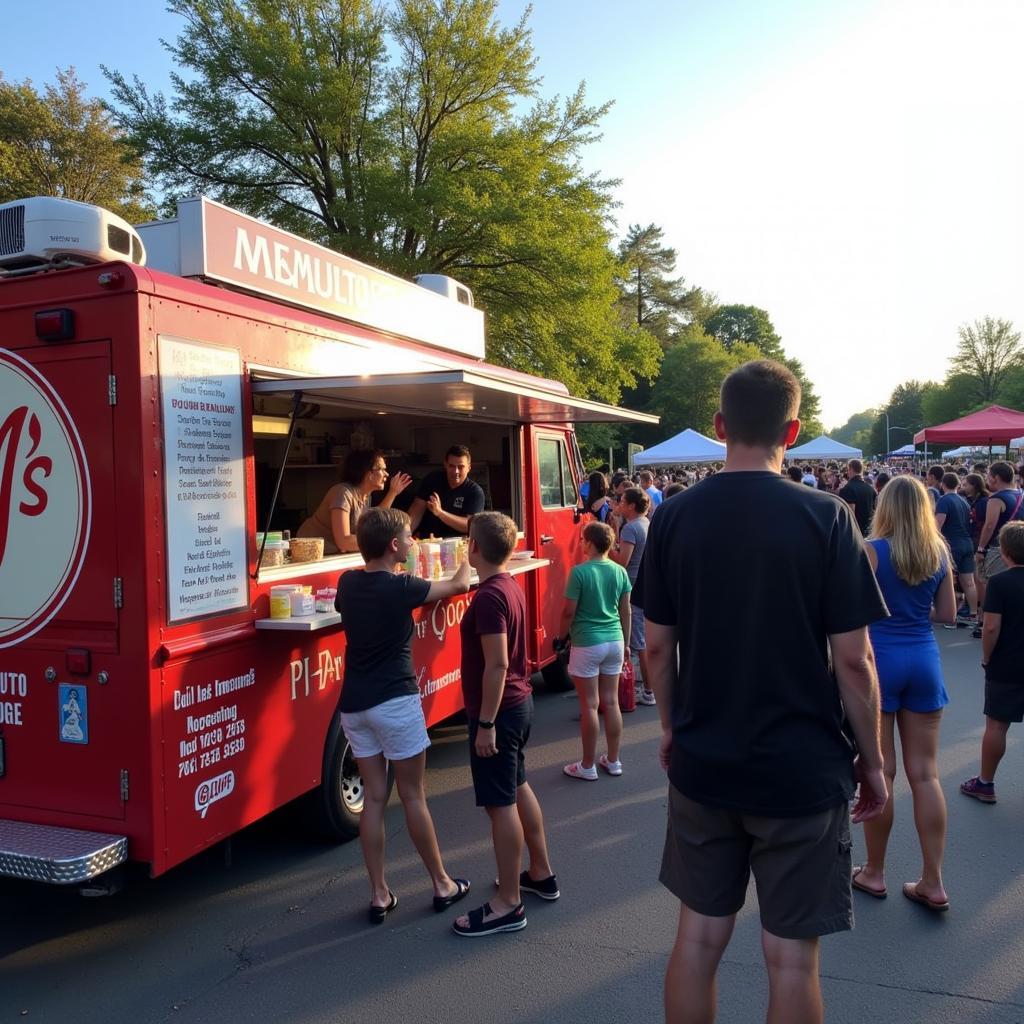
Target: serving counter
{"x": 325, "y": 620}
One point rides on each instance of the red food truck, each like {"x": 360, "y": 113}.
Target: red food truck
{"x": 153, "y": 420}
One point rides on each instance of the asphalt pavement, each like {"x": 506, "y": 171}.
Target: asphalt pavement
{"x": 280, "y": 934}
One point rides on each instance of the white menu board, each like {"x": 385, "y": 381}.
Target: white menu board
{"x": 204, "y": 479}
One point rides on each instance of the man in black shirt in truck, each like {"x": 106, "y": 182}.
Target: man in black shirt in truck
{"x": 447, "y": 498}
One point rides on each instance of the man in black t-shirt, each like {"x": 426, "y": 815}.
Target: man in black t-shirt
{"x": 742, "y": 614}
{"x": 1002, "y": 657}
{"x": 859, "y": 495}
{"x": 446, "y": 500}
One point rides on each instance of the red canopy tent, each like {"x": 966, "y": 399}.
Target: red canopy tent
{"x": 994, "y": 425}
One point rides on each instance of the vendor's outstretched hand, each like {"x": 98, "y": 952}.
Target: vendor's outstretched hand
{"x": 398, "y": 483}
{"x": 462, "y": 574}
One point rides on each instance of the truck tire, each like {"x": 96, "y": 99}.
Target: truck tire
{"x": 339, "y": 797}
{"x": 556, "y": 676}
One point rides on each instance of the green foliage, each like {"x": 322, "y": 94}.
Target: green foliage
{"x": 906, "y": 416}
{"x": 686, "y": 391}
{"x": 955, "y": 397}
{"x": 651, "y": 297}
{"x": 856, "y": 430}
{"x": 987, "y": 351}
{"x": 1011, "y": 393}
{"x": 61, "y": 143}
{"x": 412, "y": 136}
{"x": 735, "y": 324}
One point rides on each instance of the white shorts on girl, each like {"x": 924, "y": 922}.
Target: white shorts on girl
{"x": 395, "y": 729}
{"x": 599, "y": 660}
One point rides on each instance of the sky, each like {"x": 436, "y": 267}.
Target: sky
{"x": 853, "y": 167}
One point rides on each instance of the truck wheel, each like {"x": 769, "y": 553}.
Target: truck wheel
{"x": 339, "y": 798}
{"x": 556, "y": 677}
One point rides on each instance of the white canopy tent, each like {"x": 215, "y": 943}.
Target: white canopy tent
{"x": 823, "y": 448}
{"x": 998, "y": 451}
{"x": 685, "y": 448}
{"x": 906, "y": 451}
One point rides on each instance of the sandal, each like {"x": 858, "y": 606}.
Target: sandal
{"x": 513, "y": 921}
{"x": 377, "y": 914}
{"x": 879, "y": 894}
{"x": 910, "y": 891}
{"x": 442, "y": 903}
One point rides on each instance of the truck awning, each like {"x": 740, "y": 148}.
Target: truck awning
{"x": 452, "y": 394}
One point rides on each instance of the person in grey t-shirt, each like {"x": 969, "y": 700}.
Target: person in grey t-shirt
{"x": 629, "y": 553}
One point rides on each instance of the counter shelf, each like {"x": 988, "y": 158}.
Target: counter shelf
{"x": 324, "y": 620}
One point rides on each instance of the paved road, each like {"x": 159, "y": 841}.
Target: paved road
{"x": 280, "y": 935}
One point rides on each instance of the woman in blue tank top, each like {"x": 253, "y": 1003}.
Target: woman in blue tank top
{"x": 912, "y": 566}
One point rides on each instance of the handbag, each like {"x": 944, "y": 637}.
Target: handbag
{"x": 627, "y": 687}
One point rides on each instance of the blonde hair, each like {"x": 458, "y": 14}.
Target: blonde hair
{"x": 905, "y": 518}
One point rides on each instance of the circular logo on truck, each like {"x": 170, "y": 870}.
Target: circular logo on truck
{"x": 45, "y": 501}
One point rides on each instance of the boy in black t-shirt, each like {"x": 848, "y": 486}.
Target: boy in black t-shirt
{"x": 1002, "y": 657}
{"x": 380, "y": 706}
{"x": 499, "y": 704}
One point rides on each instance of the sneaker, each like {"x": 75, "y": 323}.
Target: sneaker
{"x": 644, "y": 696}
{"x": 966, "y": 620}
{"x": 983, "y": 791}
{"x": 611, "y": 767}
{"x": 546, "y": 888}
{"x": 949, "y": 625}
{"x": 577, "y": 771}
{"x": 976, "y": 632}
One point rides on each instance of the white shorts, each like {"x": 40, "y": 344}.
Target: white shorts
{"x": 395, "y": 729}
{"x": 599, "y": 660}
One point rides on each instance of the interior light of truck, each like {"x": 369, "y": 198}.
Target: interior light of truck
{"x": 269, "y": 426}
{"x": 55, "y": 324}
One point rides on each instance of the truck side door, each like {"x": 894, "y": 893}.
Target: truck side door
{"x": 552, "y": 530}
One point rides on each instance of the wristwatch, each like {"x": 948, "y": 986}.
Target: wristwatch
{"x": 485, "y": 725}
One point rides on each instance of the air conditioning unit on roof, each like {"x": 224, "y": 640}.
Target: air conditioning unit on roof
{"x": 44, "y": 232}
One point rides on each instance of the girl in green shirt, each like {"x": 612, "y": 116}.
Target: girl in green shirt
{"x": 597, "y": 617}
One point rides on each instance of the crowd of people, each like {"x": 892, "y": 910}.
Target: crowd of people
{"x": 771, "y": 753}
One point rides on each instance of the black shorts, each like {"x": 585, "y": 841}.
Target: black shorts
{"x": 801, "y": 866}
{"x": 496, "y": 779}
{"x": 1004, "y": 701}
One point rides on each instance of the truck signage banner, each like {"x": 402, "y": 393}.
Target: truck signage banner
{"x": 45, "y": 501}
{"x": 224, "y": 245}
{"x": 204, "y": 479}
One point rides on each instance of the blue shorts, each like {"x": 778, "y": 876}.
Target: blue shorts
{"x": 910, "y": 676}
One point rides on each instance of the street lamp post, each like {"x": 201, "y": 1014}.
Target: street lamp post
{"x": 889, "y": 429}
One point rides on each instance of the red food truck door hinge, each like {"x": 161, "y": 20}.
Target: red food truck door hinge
{"x": 112, "y": 390}
{"x": 118, "y": 592}
{"x": 124, "y": 785}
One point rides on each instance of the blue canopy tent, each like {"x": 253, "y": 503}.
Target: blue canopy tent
{"x": 906, "y": 452}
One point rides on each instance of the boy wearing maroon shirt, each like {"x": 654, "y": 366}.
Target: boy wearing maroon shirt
{"x": 499, "y": 704}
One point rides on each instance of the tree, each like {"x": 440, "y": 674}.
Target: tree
{"x": 734, "y": 324}
{"x": 856, "y": 425}
{"x": 988, "y": 349}
{"x": 1011, "y": 394}
{"x": 413, "y": 137}
{"x": 906, "y": 415}
{"x": 810, "y": 404}
{"x": 687, "y": 389}
{"x": 61, "y": 143}
{"x": 654, "y": 299}
{"x": 955, "y": 397}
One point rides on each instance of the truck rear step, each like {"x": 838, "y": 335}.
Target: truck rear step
{"x": 62, "y": 856}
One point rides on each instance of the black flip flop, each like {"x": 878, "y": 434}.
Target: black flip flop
{"x": 513, "y": 921}
{"x": 377, "y": 914}
{"x": 442, "y": 903}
